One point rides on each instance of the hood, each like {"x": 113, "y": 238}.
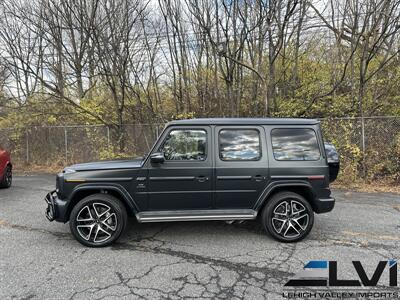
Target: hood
{"x": 107, "y": 165}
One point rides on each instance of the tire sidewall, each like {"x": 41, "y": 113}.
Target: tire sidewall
{"x": 3, "y": 182}
{"x": 8, "y": 184}
{"x": 273, "y": 203}
{"x": 115, "y": 205}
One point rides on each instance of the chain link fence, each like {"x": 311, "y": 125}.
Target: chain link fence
{"x": 61, "y": 145}
{"x": 368, "y": 146}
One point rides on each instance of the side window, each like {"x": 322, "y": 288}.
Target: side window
{"x": 295, "y": 144}
{"x": 239, "y": 144}
{"x": 185, "y": 144}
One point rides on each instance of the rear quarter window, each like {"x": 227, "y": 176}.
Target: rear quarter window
{"x": 295, "y": 144}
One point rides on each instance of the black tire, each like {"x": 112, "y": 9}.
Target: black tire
{"x": 6, "y": 181}
{"x": 86, "y": 209}
{"x": 292, "y": 227}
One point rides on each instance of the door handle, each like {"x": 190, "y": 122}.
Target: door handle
{"x": 259, "y": 178}
{"x": 202, "y": 178}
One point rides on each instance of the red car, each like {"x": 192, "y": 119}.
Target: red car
{"x": 5, "y": 169}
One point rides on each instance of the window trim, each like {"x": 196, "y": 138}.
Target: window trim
{"x": 185, "y": 129}
{"x": 292, "y": 128}
{"x": 240, "y": 128}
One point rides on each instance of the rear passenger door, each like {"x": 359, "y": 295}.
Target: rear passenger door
{"x": 241, "y": 166}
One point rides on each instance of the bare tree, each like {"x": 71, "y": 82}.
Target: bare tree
{"x": 118, "y": 61}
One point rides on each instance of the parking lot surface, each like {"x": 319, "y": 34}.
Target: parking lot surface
{"x": 41, "y": 260}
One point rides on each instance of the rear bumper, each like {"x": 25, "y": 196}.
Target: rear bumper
{"x": 323, "y": 205}
{"x": 56, "y": 208}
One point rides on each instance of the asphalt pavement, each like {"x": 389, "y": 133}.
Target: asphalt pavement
{"x": 41, "y": 260}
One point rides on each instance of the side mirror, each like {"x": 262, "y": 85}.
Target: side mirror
{"x": 157, "y": 158}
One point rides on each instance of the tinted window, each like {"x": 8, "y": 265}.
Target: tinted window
{"x": 295, "y": 144}
{"x": 239, "y": 144}
{"x": 187, "y": 144}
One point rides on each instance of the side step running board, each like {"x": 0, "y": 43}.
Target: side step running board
{"x": 196, "y": 215}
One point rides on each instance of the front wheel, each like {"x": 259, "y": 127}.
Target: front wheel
{"x": 98, "y": 220}
{"x": 288, "y": 217}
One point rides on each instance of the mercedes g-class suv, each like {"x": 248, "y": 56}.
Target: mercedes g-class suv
{"x": 276, "y": 170}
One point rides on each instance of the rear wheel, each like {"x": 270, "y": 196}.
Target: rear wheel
{"x": 288, "y": 217}
{"x": 98, "y": 220}
{"x": 7, "y": 178}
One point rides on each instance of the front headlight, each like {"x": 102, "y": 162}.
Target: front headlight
{"x": 68, "y": 171}
{"x": 59, "y": 184}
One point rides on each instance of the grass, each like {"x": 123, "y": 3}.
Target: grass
{"x": 376, "y": 186}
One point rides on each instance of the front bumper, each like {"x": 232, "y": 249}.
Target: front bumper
{"x": 56, "y": 207}
{"x": 50, "y": 209}
{"x": 323, "y": 205}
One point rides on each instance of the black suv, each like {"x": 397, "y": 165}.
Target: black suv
{"x": 276, "y": 170}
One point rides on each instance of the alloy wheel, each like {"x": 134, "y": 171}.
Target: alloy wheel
{"x": 290, "y": 219}
{"x": 96, "y": 222}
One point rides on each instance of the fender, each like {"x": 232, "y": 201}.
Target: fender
{"x": 125, "y": 196}
{"x": 5, "y": 160}
{"x": 278, "y": 184}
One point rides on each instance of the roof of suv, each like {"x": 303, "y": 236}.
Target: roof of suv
{"x": 245, "y": 121}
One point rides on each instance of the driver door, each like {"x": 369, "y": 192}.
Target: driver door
{"x": 184, "y": 180}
